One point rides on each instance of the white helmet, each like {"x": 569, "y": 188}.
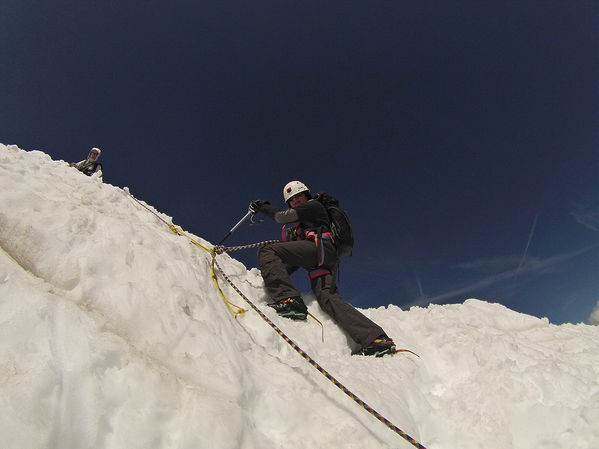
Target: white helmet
{"x": 293, "y": 188}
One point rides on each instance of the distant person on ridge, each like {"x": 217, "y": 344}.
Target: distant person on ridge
{"x": 308, "y": 243}
{"x": 90, "y": 165}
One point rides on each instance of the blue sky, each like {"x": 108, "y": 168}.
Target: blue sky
{"x": 461, "y": 137}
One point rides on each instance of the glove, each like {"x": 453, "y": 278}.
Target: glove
{"x": 256, "y": 205}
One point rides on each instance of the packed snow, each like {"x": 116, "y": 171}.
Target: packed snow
{"x": 114, "y": 335}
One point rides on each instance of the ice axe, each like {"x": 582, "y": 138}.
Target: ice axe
{"x": 234, "y": 228}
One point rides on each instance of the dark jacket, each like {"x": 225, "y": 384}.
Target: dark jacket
{"x": 88, "y": 167}
{"x": 310, "y": 216}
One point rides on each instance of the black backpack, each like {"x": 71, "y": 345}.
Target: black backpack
{"x": 341, "y": 229}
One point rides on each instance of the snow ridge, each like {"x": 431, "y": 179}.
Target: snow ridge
{"x": 112, "y": 335}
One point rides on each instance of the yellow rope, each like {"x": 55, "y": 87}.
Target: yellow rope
{"x": 234, "y": 308}
{"x": 321, "y": 325}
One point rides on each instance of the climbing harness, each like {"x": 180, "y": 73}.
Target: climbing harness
{"x": 219, "y": 250}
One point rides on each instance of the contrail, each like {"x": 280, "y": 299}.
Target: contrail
{"x": 532, "y": 230}
{"x": 419, "y": 286}
{"x": 538, "y": 267}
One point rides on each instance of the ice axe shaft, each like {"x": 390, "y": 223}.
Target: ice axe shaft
{"x": 234, "y": 228}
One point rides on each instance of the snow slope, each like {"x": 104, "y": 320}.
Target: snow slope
{"x": 113, "y": 335}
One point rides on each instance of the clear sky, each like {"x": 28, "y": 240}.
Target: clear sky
{"x": 462, "y": 137}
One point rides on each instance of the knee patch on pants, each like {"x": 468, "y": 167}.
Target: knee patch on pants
{"x": 313, "y": 274}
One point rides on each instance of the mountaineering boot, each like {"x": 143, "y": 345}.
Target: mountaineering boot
{"x": 378, "y": 348}
{"x": 293, "y": 308}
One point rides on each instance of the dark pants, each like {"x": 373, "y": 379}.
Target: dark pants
{"x": 278, "y": 259}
